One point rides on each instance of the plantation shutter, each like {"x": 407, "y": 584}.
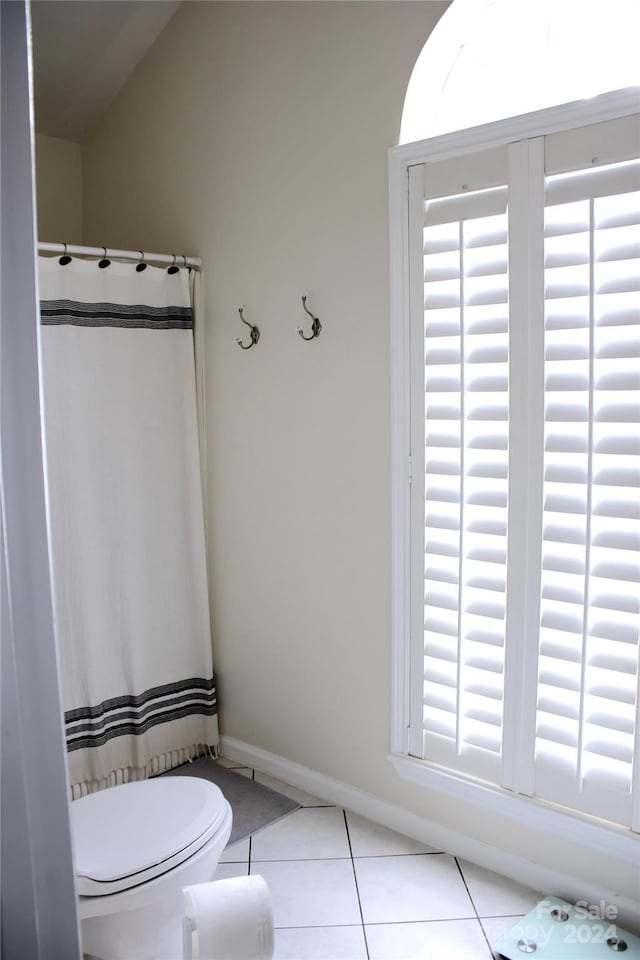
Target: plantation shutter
{"x": 464, "y": 282}
{"x": 590, "y": 584}
{"x": 565, "y": 727}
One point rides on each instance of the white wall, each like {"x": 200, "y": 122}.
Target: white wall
{"x": 256, "y": 135}
{"x": 59, "y": 190}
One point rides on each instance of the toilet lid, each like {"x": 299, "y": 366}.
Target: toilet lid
{"x": 127, "y": 834}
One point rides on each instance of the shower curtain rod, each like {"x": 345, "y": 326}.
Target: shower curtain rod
{"x": 169, "y": 258}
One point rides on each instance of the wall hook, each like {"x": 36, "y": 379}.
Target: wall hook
{"x": 316, "y": 326}
{"x": 255, "y": 333}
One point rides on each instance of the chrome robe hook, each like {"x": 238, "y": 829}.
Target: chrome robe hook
{"x": 316, "y": 326}
{"x": 254, "y": 333}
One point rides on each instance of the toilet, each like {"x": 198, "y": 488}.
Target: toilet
{"x": 135, "y": 847}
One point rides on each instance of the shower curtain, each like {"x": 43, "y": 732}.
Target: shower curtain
{"x": 126, "y": 519}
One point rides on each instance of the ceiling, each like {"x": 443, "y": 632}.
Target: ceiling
{"x": 83, "y": 53}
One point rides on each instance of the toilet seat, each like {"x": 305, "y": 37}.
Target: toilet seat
{"x": 129, "y": 834}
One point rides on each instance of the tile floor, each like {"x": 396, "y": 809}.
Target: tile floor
{"x": 344, "y": 888}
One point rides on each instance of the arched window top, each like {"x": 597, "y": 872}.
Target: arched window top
{"x": 491, "y": 59}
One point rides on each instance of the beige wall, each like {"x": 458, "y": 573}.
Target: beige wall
{"x": 59, "y": 190}
{"x": 256, "y": 135}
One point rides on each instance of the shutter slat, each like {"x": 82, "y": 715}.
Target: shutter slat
{"x": 556, "y": 733}
{"x": 441, "y": 575}
{"x": 606, "y": 182}
{"x": 562, "y": 652}
{"x": 616, "y": 693}
{"x": 479, "y": 204}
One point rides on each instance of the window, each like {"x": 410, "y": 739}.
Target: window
{"x": 551, "y": 51}
{"x": 517, "y": 412}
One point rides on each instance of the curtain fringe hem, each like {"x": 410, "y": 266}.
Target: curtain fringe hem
{"x": 155, "y": 766}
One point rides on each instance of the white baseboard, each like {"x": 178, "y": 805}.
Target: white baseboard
{"x": 517, "y": 868}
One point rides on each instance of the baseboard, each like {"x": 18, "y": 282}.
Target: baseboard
{"x": 517, "y": 868}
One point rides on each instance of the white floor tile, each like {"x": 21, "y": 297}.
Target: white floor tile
{"x": 236, "y": 852}
{"x": 311, "y": 893}
{"x": 226, "y": 871}
{"x": 495, "y": 895}
{"x": 403, "y": 889}
{"x": 438, "y": 940}
{"x": 300, "y": 796}
{"x": 320, "y": 943}
{"x": 371, "y": 840}
{"x": 307, "y": 834}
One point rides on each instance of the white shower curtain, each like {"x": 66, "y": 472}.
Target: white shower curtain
{"x": 126, "y": 519}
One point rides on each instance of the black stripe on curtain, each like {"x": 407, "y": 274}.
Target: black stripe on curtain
{"x": 133, "y": 715}
{"x": 129, "y": 317}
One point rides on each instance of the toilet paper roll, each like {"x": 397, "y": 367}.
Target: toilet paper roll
{"x": 228, "y": 920}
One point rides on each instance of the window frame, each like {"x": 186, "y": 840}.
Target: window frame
{"x": 526, "y": 810}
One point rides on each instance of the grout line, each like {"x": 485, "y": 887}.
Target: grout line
{"x": 387, "y": 856}
{"x": 399, "y": 923}
{"x": 253, "y": 776}
{"x": 491, "y": 953}
{"x": 466, "y": 886}
{"x": 378, "y": 923}
{"x": 355, "y": 880}
{"x": 321, "y": 926}
{"x": 300, "y": 859}
{"x": 475, "y": 909}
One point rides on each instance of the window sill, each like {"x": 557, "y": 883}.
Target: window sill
{"x": 530, "y": 814}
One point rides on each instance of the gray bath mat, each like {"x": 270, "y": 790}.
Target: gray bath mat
{"x": 254, "y": 806}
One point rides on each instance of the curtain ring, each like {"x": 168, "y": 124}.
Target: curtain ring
{"x": 104, "y": 262}
{"x": 142, "y": 265}
{"x": 64, "y": 259}
{"x": 173, "y": 269}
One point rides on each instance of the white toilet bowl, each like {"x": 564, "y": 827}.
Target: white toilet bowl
{"x": 135, "y": 847}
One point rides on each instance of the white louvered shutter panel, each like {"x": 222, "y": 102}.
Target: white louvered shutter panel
{"x": 465, "y": 484}
{"x": 590, "y": 585}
